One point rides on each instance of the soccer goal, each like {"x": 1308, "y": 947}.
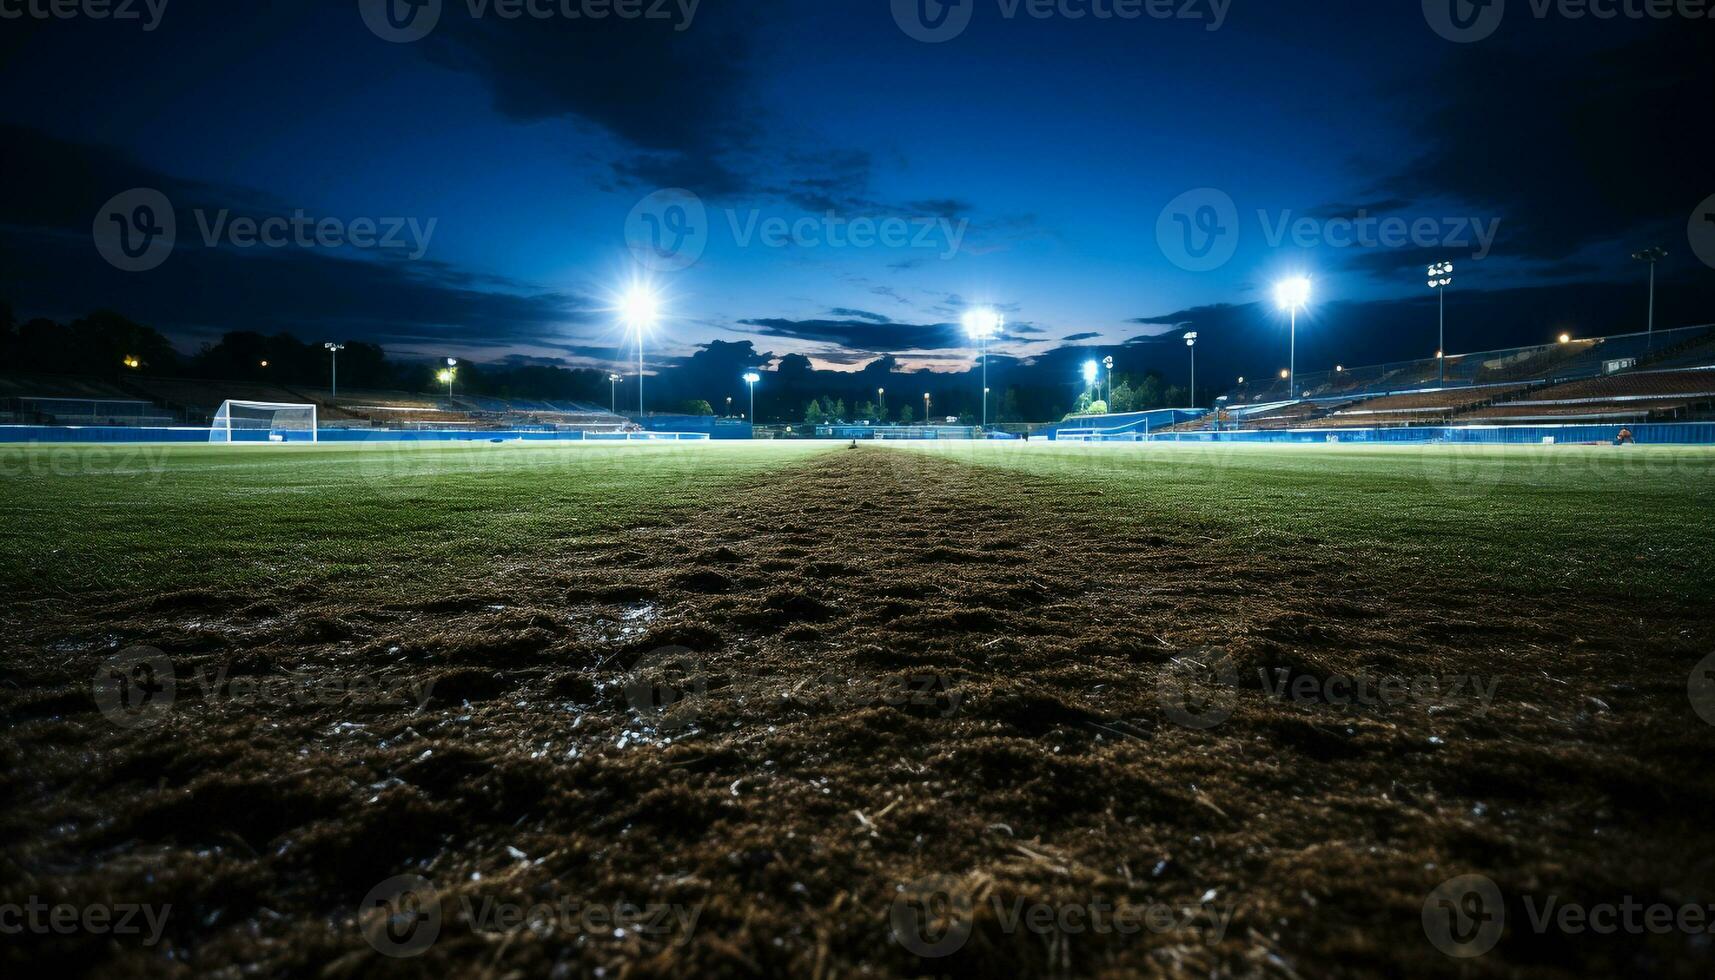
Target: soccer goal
{"x": 241, "y": 421}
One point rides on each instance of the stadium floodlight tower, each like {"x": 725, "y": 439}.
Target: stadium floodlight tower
{"x": 1440, "y": 277}
{"x": 447, "y": 375}
{"x": 1652, "y": 255}
{"x": 613, "y": 392}
{"x": 750, "y": 379}
{"x": 982, "y": 325}
{"x": 1091, "y": 373}
{"x": 1191, "y": 344}
{"x": 1292, "y": 294}
{"x": 1108, "y": 362}
{"x": 881, "y": 395}
{"x": 333, "y": 350}
{"x": 639, "y": 310}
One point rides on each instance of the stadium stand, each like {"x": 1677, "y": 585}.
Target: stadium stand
{"x": 60, "y": 400}
{"x": 1432, "y": 407}
{"x": 1636, "y": 395}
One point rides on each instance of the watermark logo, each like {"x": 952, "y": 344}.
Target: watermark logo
{"x": 1464, "y": 916}
{"x": 933, "y": 21}
{"x": 933, "y": 916}
{"x": 404, "y": 21}
{"x": 1701, "y": 687}
{"x": 668, "y": 230}
{"x": 668, "y": 687}
{"x": 1198, "y": 689}
{"x": 1701, "y": 231}
{"x": 146, "y": 12}
{"x": 1198, "y": 231}
{"x": 135, "y": 687}
{"x": 135, "y": 230}
{"x": 1464, "y": 21}
{"x": 400, "y": 21}
{"x": 36, "y": 917}
{"x": 401, "y": 917}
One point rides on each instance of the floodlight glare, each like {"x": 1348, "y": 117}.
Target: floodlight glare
{"x": 639, "y": 307}
{"x": 1090, "y": 370}
{"x": 982, "y": 324}
{"x": 1292, "y": 293}
{"x": 752, "y": 378}
{"x": 1566, "y": 338}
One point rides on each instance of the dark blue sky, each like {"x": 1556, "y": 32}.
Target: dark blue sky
{"x": 1067, "y": 170}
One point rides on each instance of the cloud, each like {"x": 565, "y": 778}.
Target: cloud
{"x": 863, "y": 335}
{"x": 1080, "y": 336}
{"x": 860, "y": 314}
{"x": 1566, "y": 151}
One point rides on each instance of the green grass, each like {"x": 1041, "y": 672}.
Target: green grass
{"x": 1599, "y": 520}
{"x": 1603, "y": 520}
{"x": 385, "y": 515}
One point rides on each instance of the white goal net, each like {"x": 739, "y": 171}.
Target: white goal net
{"x": 241, "y": 421}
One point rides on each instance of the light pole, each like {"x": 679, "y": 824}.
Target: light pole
{"x": 1108, "y": 362}
{"x": 751, "y": 378}
{"x": 613, "y": 393}
{"x": 1652, "y": 255}
{"x": 983, "y": 324}
{"x": 1292, "y": 294}
{"x": 925, "y": 408}
{"x": 448, "y": 373}
{"x": 1440, "y": 277}
{"x": 729, "y": 406}
{"x": 639, "y": 311}
{"x": 1091, "y": 372}
{"x": 881, "y": 395}
{"x": 1191, "y": 342}
{"x": 333, "y": 350}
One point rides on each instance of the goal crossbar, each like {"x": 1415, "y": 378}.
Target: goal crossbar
{"x": 239, "y": 420}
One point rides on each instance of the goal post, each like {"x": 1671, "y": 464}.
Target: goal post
{"x": 243, "y": 421}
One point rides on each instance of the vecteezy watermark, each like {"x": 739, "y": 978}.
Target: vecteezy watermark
{"x": 1465, "y": 21}
{"x": 669, "y": 229}
{"x": 36, "y": 917}
{"x": 1701, "y": 688}
{"x": 1200, "y": 230}
{"x": 136, "y": 230}
{"x": 934, "y": 21}
{"x": 138, "y": 686}
{"x": 1197, "y": 689}
{"x": 135, "y": 687}
{"x": 145, "y": 12}
{"x": 666, "y": 922}
{"x": 1466, "y": 916}
{"x": 1701, "y": 231}
{"x": 88, "y": 460}
{"x": 935, "y": 916}
{"x": 669, "y": 689}
{"x": 404, "y": 21}
{"x": 401, "y": 917}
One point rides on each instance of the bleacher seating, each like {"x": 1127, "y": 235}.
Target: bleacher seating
{"x": 1630, "y": 395}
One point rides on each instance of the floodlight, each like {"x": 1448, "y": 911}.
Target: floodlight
{"x": 1566, "y": 338}
{"x": 1292, "y": 293}
{"x": 639, "y": 307}
{"x": 1284, "y": 373}
{"x": 982, "y": 324}
{"x": 752, "y": 378}
{"x": 1090, "y": 370}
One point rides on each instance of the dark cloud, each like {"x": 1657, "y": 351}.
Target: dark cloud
{"x": 860, "y": 314}
{"x": 865, "y": 336}
{"x": 1566, "y": 151}
{"x": 1080, "y": 336}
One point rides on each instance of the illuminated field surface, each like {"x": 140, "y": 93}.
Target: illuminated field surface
{"x": 813, "y": 710}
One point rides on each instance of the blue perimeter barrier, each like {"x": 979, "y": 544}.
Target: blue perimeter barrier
{"x": 200, "y": 434}
{"x": 1659, "y": 433}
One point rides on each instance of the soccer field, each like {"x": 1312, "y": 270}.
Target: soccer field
{"x": 816, "y": 709}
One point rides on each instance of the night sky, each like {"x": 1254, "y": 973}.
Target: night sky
{"x": 1098, "y": 179}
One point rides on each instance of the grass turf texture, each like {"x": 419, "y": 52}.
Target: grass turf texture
{"x": 1040, "y": 608}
